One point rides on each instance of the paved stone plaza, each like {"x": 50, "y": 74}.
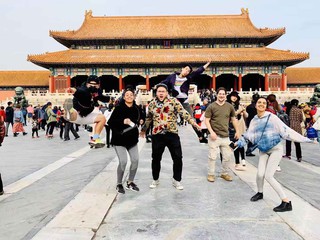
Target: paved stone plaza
{"x": 65, "y": 190}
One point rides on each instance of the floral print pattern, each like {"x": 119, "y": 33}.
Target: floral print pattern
{"x": 164, "y": 115}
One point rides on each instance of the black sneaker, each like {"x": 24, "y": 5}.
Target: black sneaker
{"x": 257, "y": 197}
{"x": 120, "y": 189}
{"x": 283, "y": 207}
{"x": 250, "y": 155}
{"x": 203, "y": 140}
{"x": 132, "y": 186}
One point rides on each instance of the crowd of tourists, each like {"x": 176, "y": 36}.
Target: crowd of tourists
{"x": 229, "y": 128}
{"x": 46, "y": 118}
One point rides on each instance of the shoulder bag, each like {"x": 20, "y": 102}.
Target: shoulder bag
{"x": 254, "y": 146}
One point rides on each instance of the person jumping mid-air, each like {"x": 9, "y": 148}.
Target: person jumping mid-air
{"x": 82, "y": 109}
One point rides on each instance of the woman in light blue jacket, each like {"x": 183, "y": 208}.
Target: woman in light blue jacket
{"x": 19, "y": 121}
{"x": 267, "y": 130}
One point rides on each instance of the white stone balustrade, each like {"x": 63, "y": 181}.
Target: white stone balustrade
{"x": 303, "y": 95}
{"x": 57, "y": 99}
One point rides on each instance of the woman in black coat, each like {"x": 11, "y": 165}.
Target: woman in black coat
{"x": 124, "y": 123}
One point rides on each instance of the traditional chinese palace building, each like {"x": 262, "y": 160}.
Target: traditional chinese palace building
{"x": 144, "y": 50}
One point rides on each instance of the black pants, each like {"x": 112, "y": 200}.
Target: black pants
{"x": 237, "y": 153}
{"x": 7, "y": 126}
{"x": 107, "y": 135}
{"x": 149, "y": 132}
{"x": 298, "y": 149}
{"x": 67, "y": 128}
{"x": 50, "y": 127}
{"x": 159, "y": 142}
{"x": 35, "y": 131}
{"x": 204, "y": 133}
{"x": 250, "y": 144}
{"x": 1, "y": 184}
{"x": 61, "y": 130}
{"x": 42, "y": 125}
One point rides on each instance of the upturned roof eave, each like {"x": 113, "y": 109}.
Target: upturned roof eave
{"x": 170, "y": 56}
{"x": 267, "y": 40}
{"x": 287, "y": 63}
{"x": 76, "y": 38}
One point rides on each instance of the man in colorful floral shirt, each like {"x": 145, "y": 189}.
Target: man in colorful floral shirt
{"x": 163, "y": 112}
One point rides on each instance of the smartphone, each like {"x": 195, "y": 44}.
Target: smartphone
{"x": 232, "y": 145}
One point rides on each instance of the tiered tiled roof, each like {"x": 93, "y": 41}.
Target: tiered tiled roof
{"x": 307, "y": 75}
{"x": 24, "y": 78}
{"x": 167, "y": 27}
{"x": 168, "y": 56}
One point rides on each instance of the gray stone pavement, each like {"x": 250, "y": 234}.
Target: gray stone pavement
{"x": 203, "y": 210}
{"x": 31, "y": 208}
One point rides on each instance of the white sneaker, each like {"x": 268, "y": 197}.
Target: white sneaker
{"x": 154, "y": 184}
{"x": 278, "y": 169}
{"x": 239, "y": 168}
{"x": 243, "y": 162}
{"x": 177, "y": 184}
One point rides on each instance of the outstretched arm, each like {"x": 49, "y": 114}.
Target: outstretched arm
{"x": 199, "y": 70}
{"x": 206, "y": 65}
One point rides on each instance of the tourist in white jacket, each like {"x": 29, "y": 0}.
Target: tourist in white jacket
{"x": 267, "y": 130}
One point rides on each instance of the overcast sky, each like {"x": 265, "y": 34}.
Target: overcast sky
{"x": 25, "y": 24}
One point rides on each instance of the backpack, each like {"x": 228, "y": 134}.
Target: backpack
{"x": 284, "y": 117}
{"x": 45, "y": 116}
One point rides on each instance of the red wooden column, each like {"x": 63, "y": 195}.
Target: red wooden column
{"x": 52, "y": 85}
{"x": 266, "y": 82}
{"x": 68, "y": 81}
{"x": 213, "y": 82}
{"x": 239, "y": 82}
{"x": 283, "y": 82}
{"x": 120, "y": 83}
{"x": 147, "y": 83}
{"x": 235, "y": 84}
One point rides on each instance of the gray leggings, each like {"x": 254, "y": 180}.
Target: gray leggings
{"x": 268, "y": 163}
{"x": 123, "y": 159}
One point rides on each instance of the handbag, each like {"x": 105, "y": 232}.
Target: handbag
{"x": 254, "y": 146}
{"x": 312, "y": 133}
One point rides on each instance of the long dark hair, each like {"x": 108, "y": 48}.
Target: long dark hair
{"x": 235, "y": 104}
{"x": 294, "y": 102}
{"x": 272, "y": 101}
